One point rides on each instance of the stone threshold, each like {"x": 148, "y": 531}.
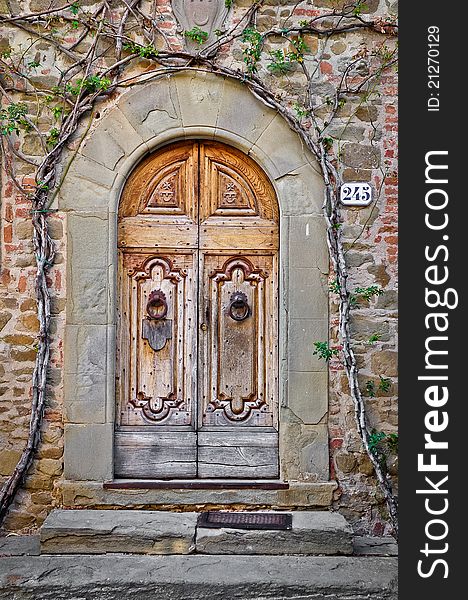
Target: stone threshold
{"x": 93, "y": 494}
{"x": 164, "y": 532}
{"x": 194, "y": 484}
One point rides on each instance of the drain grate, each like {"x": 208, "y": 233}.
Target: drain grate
{"x": 242, "y": 520}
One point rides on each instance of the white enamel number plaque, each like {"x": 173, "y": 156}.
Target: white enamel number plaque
{"x": 356, "y": 194}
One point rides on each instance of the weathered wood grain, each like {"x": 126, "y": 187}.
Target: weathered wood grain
{"x": 155, "y": 454}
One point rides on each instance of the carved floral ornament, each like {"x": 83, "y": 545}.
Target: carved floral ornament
{"x": 208, "y": 15}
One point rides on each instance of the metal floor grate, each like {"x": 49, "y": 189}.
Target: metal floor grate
{"x": 242, "y": 520}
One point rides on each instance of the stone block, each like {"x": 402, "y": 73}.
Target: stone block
{"x": 358, "y": 258}
{"x": 304, "y": 451}
{"x": 79, "y": 195}
{"x": 314, "y": 454}
{"x": 282, "y": 147}
{"x": 360, "y": 156}
{"x": 88, "y": 295}
{"x": 86, "y": 493}
{"x": 363, "y": 327}
{"x": 129, "y": 531}
{"x": 200, "y": 98}
{"x": 198, "y": 577}
{"x": 85, "y": 398}
{"x": 90, "y": 170}
{"x": 308, "y": 495}
{"x": 357, "y": 174}
{"x": 113, "y": 139}
{"x": 345, "y": 462}
{"x": 388, "y": 300}
{"x": 250, "y": 122}
{"x": 345, "y": 132}
{"x": 375, "y": 546}
{"x": 302, "y": 335}
{"x": 85, "y": 349}
{"x": 88, "y": 451}
{"x": 308, "y": 243}
{"x": 152, "y": 109}
{"x": 88, "y": 239}
{"x": 308, "y": 293}
{"x": 308, "y": 396}
{"x": 385, "y": 363}
{"x": 20, "y": 545}
{"x": 367, "y": 113}
{"x": 313, "y": 532}
{"x": 301, "y": 191}
{"x": 4, "y": 318}
{"x": 8, "y": 460}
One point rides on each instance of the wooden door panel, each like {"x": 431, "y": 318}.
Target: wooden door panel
{"x": 240, "y": 453}
{"x": 164, "y": 186}
{"x": 228, "y": 236}
{"x": 150, "y": 454}
{"x": 234, "y": 188}
{"x": 159, "y": 387}
{"x": 238, "y": 355}
{"x": 140, "y": 233}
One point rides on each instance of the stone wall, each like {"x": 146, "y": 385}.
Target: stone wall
{"x": 366, "y": 131}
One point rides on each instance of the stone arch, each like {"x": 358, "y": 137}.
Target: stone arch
{"x": 184, "y": 106}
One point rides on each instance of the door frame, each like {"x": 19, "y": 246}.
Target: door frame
{"x": 189, "y": 106}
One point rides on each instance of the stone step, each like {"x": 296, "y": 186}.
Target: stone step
{"x": 162, "y": 532}
{"x": 313, "y": 532}
{"x": 128, "y": 531}
{"x": 198, "y": 577}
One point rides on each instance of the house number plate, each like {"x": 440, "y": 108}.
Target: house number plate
{"x": 356, "y": 194}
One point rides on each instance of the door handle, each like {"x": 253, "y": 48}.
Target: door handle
{"x": 204, "y": 327}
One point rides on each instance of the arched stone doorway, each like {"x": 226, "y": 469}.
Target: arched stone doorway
{"x": 193, "y": 106}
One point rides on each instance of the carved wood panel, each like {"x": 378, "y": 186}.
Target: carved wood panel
{"x": 159, "y": 351}
{"x": 239, "y": 345}
{"x": 197, "y": 345}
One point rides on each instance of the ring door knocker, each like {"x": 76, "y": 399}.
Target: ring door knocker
{"x": 156, "y": 307}
{"x": 155, "y": 327}
{"x": 239, "y": 308}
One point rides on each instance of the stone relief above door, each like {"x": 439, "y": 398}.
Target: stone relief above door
{"x": 197, "y": 373}
{"x": 207, "y": 15}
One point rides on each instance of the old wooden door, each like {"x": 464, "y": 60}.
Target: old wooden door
{"x": 197, "y": 364}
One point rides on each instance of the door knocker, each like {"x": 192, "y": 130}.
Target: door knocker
{"x": 239, "y": 308}
{"x": 155, "y": 327}
{"x": 157, "y": 305}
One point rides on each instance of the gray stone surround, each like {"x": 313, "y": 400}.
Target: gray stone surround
{"x": 198, "y": 106}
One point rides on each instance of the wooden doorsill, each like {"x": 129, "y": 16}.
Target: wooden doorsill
{"x": 194, "y": 484}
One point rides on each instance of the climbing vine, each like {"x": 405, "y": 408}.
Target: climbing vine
{"x": 102, "y": 49}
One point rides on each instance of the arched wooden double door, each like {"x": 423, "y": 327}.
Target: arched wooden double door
{"x": 197, "y": 372}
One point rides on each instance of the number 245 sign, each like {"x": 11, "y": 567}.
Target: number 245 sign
{"x": 356, "y": 194}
